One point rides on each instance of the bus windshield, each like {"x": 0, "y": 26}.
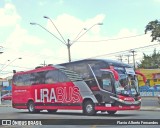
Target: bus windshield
{"x": 127, "y": 85}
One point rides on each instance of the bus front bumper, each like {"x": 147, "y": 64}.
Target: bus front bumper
{"x": 116, "y": 108}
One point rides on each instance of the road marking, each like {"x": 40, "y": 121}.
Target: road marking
{"x": 93, "y": 126}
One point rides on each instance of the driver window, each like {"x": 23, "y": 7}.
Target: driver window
{"x": 106, "y": 82}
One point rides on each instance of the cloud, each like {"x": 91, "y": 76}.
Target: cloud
{"x": 61, "y": 1}
{"x": 9, "y": 16}
{"x": 21, "y": 44}
{"x": 103, "y": 48}
{"x": 157, "y": 1}
{"x": 80, "y": 50}
{"x": 20, "y": 37}
{"x": 70, "y": 26}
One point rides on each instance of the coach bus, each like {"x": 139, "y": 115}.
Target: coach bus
{"x": 89, "y": 85}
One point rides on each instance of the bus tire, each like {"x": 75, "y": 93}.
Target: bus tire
{"x": 89, "y": 108}
{"x": 52, "y": 111}
{"x": 31, "y": 107}
{"x": 111, "y": 112}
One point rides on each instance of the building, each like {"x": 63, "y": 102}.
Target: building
{"x": 152, "y": 76}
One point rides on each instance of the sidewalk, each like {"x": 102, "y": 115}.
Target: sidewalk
{"x": 150, "y": 108}
{"x": 6, "y": 104}
{"x": 154, "y": 107}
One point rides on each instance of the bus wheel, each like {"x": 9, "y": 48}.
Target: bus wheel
{"x": 111, "y": 112}
{"x": 31, "y": 107}
{"x": 52, "y": 111}
{"x": 88, "y": 108}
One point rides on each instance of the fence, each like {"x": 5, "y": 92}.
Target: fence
{"x": 150, "y": 93}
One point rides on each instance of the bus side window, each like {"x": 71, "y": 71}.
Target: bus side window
{"x": 107, "y": 84}
{"x": 62, "y": 77}
{"x": 26, "y": 79}
{"x": 37, "y": 78}
{"x": 17, "y": 80}
{"x": 51, "y": 77}
{"x": 55, "y": 76}
{"x": 91, "y": 82}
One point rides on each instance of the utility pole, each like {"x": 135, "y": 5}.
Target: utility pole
{"x": 44, "y": 64}
{"x": 120, "y": 57}
{"x": 68, "y": 43}
{"x": 128, "y": 57}
{"x": 133, "y": 52}
{"x": 68, "y": 47}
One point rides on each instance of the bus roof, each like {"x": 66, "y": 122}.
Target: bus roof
{"x": 37, "y": 69}
{"x": 107, "y": 61}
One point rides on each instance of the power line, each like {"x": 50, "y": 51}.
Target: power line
{"x": 120, "y": 57}
{"x": 89, "y": 57}
{"x": 113, "y": 53}
{"x": 39, "y": 55}
{"x": 83, "y": 41}
{"x": 16, "y": 66}
{"x": 114, "y": 38}
{"x": 128, "y": 55}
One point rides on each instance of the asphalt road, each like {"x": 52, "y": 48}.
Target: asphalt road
{"x": 73, "y": 116}
{"x": 76, "y": 116}
{"x": 150, "y": 101}
{"x": 11, "y": 113}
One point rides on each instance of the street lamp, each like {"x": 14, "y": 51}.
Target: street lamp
{"x": 56, "y": 28}
{"x": 68, "y": 43}
{"x": 77, "y": 38}
{"x": 47, "y": 31}
{"x": 1, "y": 51}
{"x": 4, "y": 63}
{"x": 9, "y": 63}
{"x": 88, "y": 30}
{"x": 80, "y": 33}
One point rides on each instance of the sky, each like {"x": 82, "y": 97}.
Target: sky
{"x": 77, "y": 20}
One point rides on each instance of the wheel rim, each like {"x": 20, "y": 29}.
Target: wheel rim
{"x": 89, "y": 108}
{"x": 31, "y": 107}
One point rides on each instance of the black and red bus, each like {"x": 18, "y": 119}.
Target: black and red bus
{"x": 89, "y": 85}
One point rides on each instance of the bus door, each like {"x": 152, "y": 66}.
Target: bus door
{"x": 105, "y": 80}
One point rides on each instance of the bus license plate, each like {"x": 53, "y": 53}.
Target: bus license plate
{"x": 108, "y": 105}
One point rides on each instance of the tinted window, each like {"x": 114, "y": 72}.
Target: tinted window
{"x": 51, "y": 77}
{"x": 55, "y": 76}
{"x": 105, "y": 81}
{"x": 45, "y": 77}
{"x": 18, "y": 80}
{"x": 38, "y": 77}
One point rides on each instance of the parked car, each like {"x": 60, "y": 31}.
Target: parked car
{"x": 7, "y": 96}
{"x": 159, "y": 99}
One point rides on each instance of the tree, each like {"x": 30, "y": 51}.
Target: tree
{"x": 150, "y": 61}
{"x": 154, "y": 27}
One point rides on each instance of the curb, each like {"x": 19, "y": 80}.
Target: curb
{"x": 150, "y": 108}
{"x": 5, "y": 105}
